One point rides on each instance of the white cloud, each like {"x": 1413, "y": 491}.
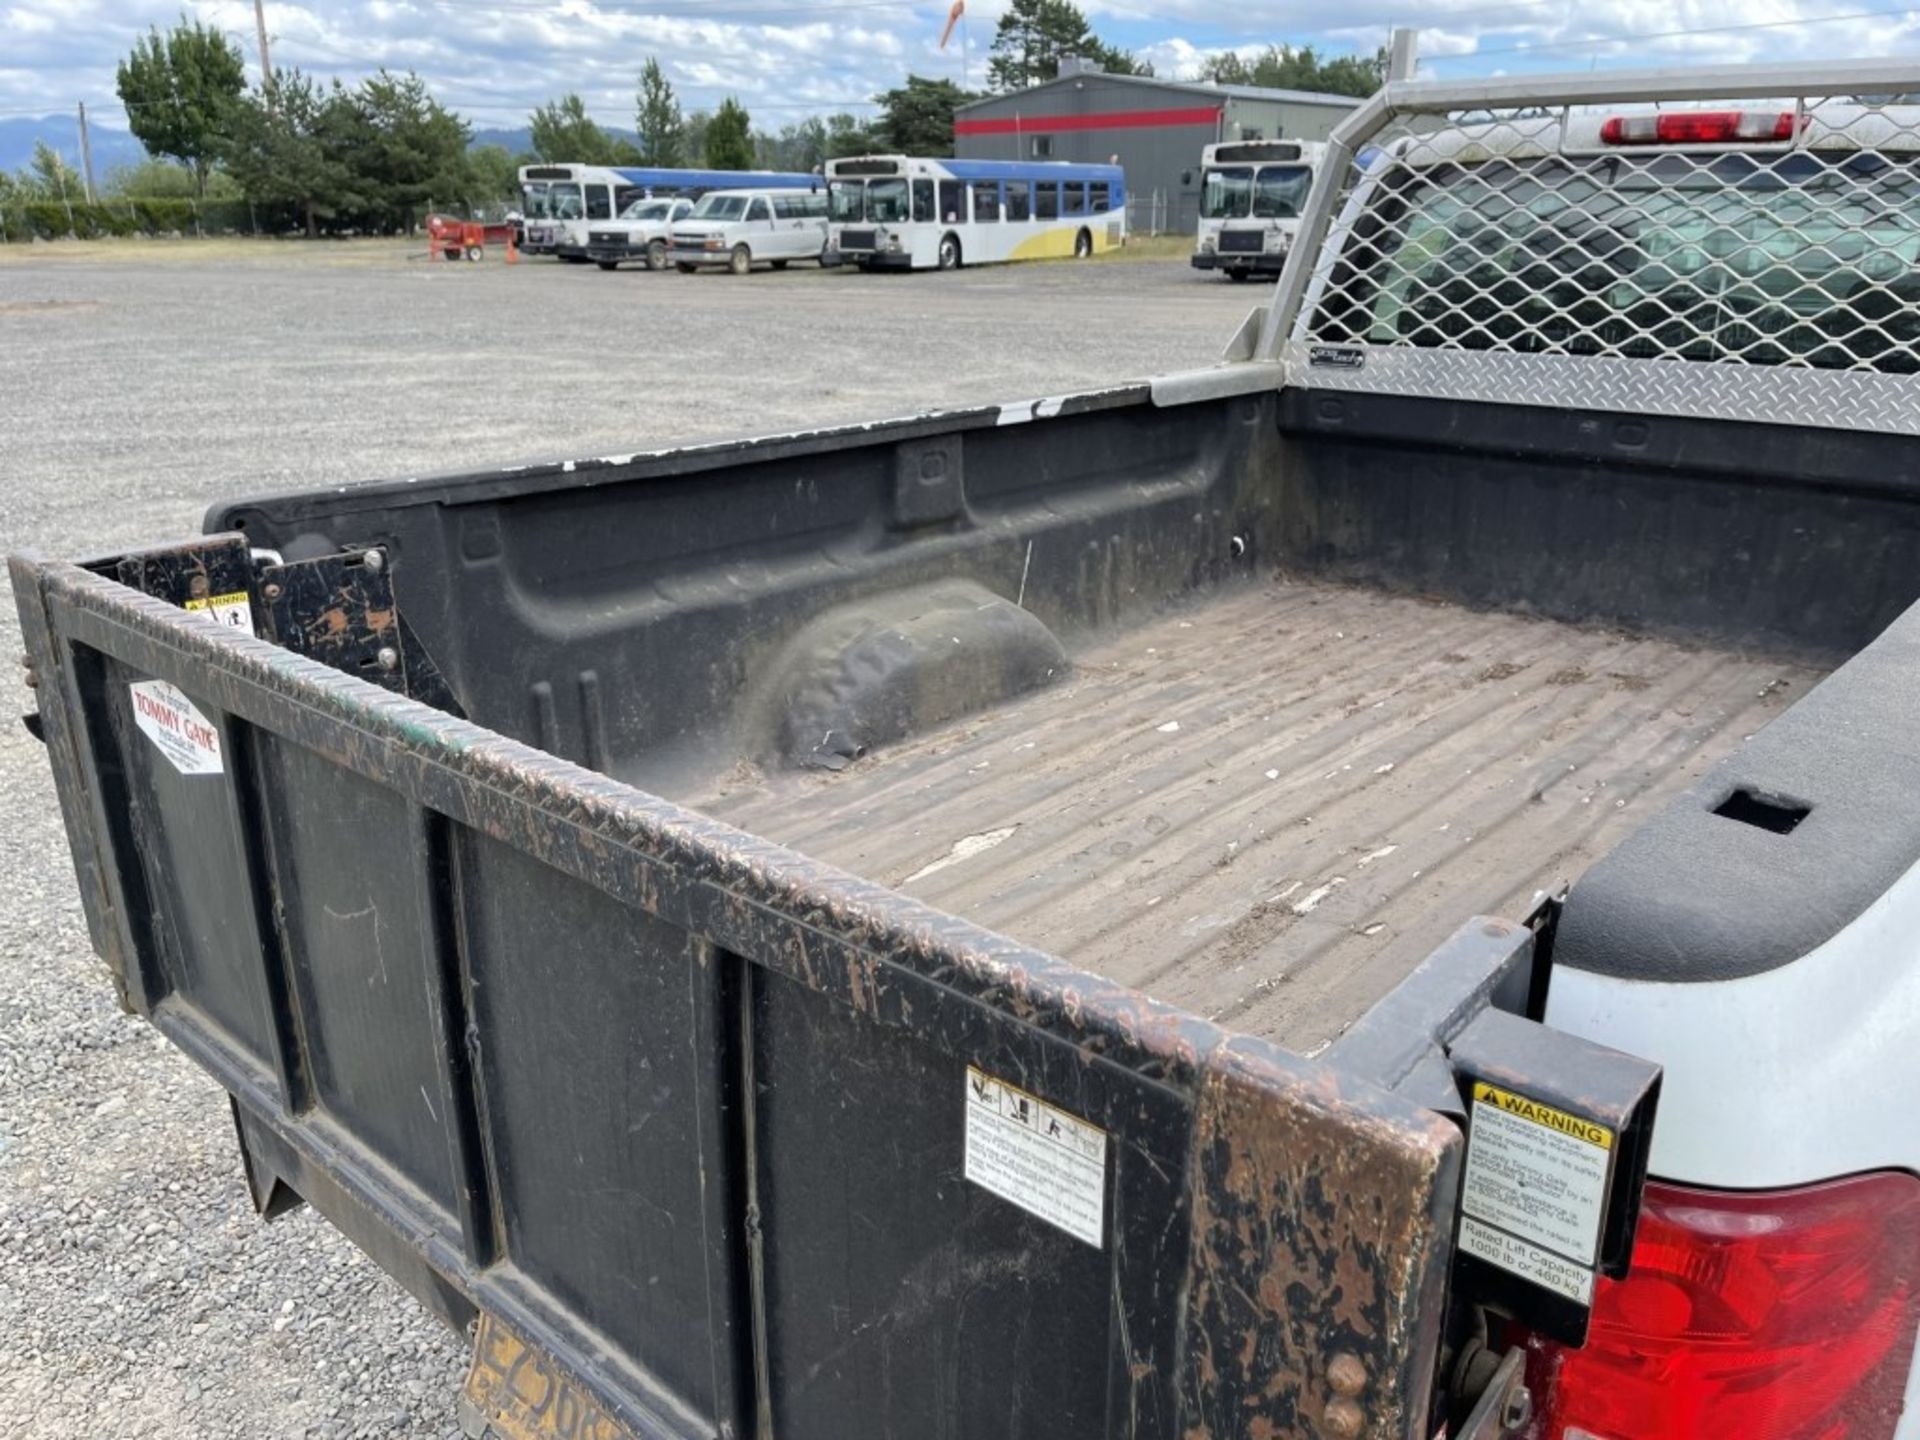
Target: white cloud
{"x": 496, "y": 59}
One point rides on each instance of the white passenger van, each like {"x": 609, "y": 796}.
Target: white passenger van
{"x": 743, "y": 228}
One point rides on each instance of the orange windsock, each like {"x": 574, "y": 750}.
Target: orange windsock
{"x": 953, "y": 19}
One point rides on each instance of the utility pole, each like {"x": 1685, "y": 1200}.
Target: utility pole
{"x": 266, "y": 61}
{"x": 86, "y": 153}
{"x": 1400, "y": 53}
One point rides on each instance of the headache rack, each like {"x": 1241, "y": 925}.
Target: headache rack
{"x": 1729, "y": 244}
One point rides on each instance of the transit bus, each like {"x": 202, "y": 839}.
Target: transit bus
{"x": 560, "y": 200}
{"x": 907, "y": 213}
{"x": 1251, "y": 196}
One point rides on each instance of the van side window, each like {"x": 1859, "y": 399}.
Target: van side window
{"x": 923, "y": 200}
{"x": 783, "y": 208}
{"x": 1076, "y": 197}
{"x": 1018, "y": 206}
{"x": 816, "y": 205}
{"x": 1098, "y": 195}
{"x": 1046, "y": 201}
{"x": 986, "y": 200}
{"x": 953, "y": 202}
{"x": 599, "y": 203}
{"x": 758, "y": 211}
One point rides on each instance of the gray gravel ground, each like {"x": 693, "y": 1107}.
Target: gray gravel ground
{"x": 139, "y": 1296}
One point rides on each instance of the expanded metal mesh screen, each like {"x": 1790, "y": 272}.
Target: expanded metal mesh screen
{"x": 1779, "y": 233}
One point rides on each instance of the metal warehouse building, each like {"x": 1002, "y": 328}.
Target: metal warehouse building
{"x": 1154, "y": 127}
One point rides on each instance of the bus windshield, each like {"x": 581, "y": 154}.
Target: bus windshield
{"x": 847, "y": 200}
{"x": 720, "y": 207}
{"x": 563, "y": 202}
{"x": 887, "y": 201}
{"x": 535, "y": 207}
{"x": 1225, "y": 193}
{"x": 1281, "y": 192}
{"x": 647, "y": 210}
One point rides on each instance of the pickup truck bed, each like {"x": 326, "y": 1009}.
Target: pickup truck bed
{"x": 1268, "y": 806}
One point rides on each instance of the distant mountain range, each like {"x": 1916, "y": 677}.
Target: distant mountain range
{"x": 113, "y": 148}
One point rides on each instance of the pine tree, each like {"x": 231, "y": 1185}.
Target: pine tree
{"x": 917, "y": 118}
{"x": 1034, "y": 34}
{"x": 730, "y": 137}
{"x": 180, "y": 89}
{"x": 658, "y": 119}
{"x": 565, "y": 134}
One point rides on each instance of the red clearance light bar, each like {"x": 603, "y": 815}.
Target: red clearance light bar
{"x": 1698, "y": 127}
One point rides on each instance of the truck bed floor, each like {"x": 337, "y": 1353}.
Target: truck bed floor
{"x": 1268, "y": 807}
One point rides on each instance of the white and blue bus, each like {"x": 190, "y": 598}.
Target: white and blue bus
{"x": 903, "y": 212}
{"x": 559, "y": 201}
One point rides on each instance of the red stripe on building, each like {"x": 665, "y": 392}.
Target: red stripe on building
{"x": 1112, "y": 120}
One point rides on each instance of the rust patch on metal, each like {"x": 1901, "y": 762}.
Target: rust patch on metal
{"x": 523, "y": 1393}
{"x": 1318, "y": 1228}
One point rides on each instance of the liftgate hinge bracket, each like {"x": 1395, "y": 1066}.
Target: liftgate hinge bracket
{"x": 1558, "y": 1135}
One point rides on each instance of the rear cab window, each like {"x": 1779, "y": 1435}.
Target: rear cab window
{"x": 1803, "y": 257}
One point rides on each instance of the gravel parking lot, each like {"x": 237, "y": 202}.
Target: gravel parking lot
{"x": 139, "y": 1295}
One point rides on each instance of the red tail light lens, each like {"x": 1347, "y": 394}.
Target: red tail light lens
{"x": 1697, "y": 127}
{"x": 1783, "y": 1315}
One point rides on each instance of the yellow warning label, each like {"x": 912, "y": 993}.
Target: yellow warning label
{"x": 1587, "y": 1130}
{"x": 216, "y": 602}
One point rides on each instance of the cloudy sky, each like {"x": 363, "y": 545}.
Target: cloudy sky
{"x": 495, "y": 59}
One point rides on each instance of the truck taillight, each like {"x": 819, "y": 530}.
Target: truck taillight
{"x": 1779, "y": 1315}
{"x": 1697, "y": 127}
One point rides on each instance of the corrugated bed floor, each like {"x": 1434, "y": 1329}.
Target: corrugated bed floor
{"x": 1269, "y": 807}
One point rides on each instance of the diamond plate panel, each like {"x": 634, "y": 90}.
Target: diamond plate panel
{"x": 1835, "y": 399}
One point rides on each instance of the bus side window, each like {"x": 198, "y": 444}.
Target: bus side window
{"x": 1076, "y": 196}
{"x": 1097, "y": 193}
{"x": 1046, "y": 201}
{"x": 923, "y": 200}
{"x": 986, "y": 200}
{"x": 953, "y": 204}
{"x": 599, "y": 203}
{"x": 1018, "y": 206}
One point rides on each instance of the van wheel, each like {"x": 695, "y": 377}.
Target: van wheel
{"x": 1082, "y": 245}
{"x": 741, "y": 261}
{"x": 657, "y": 255}
{"x": 684, "y": 268}
{"x": 608, "y": 264}
{"x": 949, "y": 252}
{"x": 779, "y": 264}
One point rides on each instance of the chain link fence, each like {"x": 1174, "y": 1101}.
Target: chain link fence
{"x": 22, "y": 221}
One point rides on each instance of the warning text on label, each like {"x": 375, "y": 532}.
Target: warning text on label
{"x": 1535, "y": 1179}
{"x": 1037, "y": 1156}
{"x": 232, "y": 611}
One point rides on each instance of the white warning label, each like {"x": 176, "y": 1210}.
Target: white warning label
{"x": 1530, "y": 1262}
{"x": 1537, "y": 1172}
{"x": 178, "y": 730}
{"x": 232, "y": 611}
{"x": 1037, "y": 1156}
